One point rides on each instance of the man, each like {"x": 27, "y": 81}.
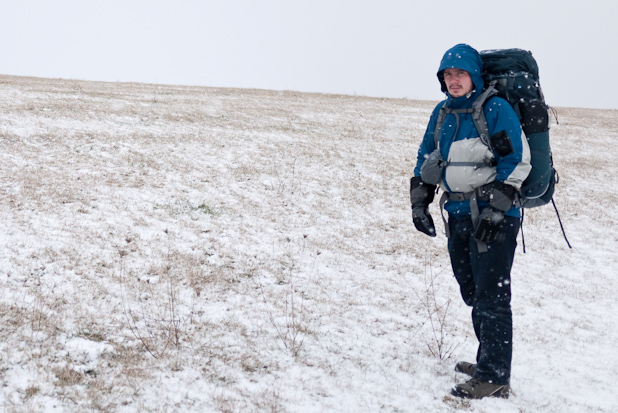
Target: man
{"x": 480, "y": 176}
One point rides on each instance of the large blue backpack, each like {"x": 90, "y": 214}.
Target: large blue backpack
{"x": 514, "y": 74}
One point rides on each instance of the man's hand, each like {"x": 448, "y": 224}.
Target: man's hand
{"x": 423, "y": 221}
{"x": 489, "y": 225}
{"x": 421, "y": 195}
{"x": 500, "y": 195}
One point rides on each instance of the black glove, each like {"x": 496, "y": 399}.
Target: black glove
{"x": 421, "y": 195}
{"x": 500, "y": 195}
{"x": 489, "y": 225}
{"x": 423, "y": 221}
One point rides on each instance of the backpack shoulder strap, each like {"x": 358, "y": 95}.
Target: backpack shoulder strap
{"x": 478, "y": 116}
{"x": 441, "y": 115}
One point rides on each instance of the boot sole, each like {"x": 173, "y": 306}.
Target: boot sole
{"x": 501, "y": 393}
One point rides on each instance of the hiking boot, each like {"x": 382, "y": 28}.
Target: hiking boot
{"x": 466, "y": 368}
{"x": 476, "y": 389}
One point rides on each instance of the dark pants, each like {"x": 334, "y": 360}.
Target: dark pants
{"x": 485, "y": 283}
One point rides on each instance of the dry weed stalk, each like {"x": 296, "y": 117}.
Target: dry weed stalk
{"x": 159, "y": 327}
{"x": 438, "y": 344}
{"x": 287, "y": 181}
{"x": 291, "y": 331}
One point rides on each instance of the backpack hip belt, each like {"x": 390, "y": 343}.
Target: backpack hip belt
{"x": 473, "y": 197}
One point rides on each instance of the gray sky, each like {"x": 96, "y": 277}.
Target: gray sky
{"x": 387, "y": 48}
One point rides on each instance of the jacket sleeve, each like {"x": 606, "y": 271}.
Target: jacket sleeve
{"x": 428, "y": 145}
{"x": 514, "y": 168}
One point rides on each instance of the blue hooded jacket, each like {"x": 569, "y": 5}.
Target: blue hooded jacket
{"x": 459, "y": 140}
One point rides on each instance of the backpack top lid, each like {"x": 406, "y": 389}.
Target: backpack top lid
{"x": 509, "y": 60}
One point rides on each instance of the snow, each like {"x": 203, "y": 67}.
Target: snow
{"x": 169, "y": 248}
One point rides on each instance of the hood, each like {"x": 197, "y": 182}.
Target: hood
{"x": 466, "y": 58}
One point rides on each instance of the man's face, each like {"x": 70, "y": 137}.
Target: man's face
{"x": 458, "y": 82}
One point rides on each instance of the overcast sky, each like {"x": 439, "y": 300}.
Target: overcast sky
{"x": 387, "y": 48}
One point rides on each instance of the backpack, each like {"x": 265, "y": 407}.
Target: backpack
{"x": 513, "y": 75}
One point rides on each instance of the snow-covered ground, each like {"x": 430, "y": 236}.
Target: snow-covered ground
{"x": 183, "y": 249}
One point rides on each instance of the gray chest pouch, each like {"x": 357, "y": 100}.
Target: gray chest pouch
{"x": 432, "y": 168}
